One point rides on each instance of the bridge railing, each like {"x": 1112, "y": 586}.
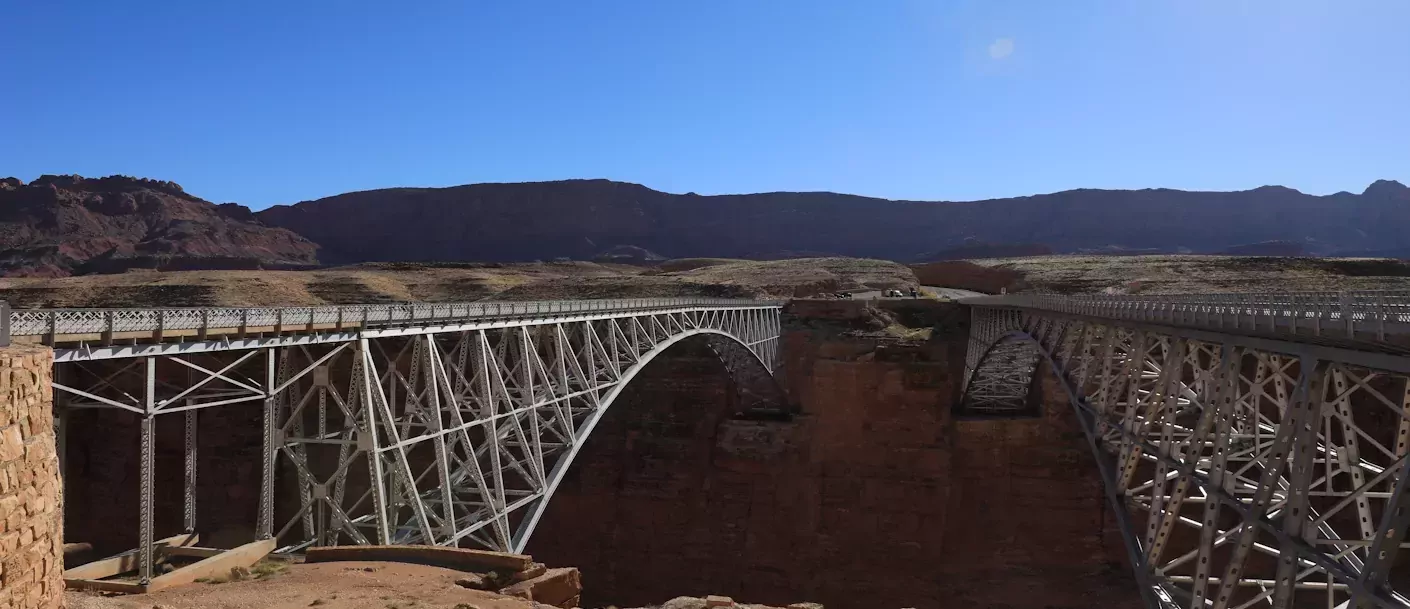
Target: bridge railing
{"x": 1349, "y": 314}
{"x": 51, "y": 322}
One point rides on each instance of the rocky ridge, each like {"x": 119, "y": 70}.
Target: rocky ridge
{"x": 62, "y": 225}
{"x": 67, "y": 225}
{"x": 580, "y": 218}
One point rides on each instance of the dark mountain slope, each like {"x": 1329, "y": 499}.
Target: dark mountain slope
{"x": 580, "y": 218}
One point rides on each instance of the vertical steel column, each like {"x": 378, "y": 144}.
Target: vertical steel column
{"x": 189, "y": 503}
{"x": 365, "y": 375}
{"x": 265, "y": 528}
{"x": 434, "y": 413}
{"x": 144, "y": 536}
{"x": 496, "y": 498}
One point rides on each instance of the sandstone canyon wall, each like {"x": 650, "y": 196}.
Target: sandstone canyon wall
{"x": 874, "y": 497}
{"x": 31, "y": 496}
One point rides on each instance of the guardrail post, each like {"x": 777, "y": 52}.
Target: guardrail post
{"x": 1346, "y": 314}
{"x": 1381, "y": 314}
{"x": 4, "y": 324}
{"x": 107, "y": 328}
{"x": 204, "y": 332}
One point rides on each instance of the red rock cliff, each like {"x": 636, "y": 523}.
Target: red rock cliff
{"x": 876, "y": 497}
{"x": 62, "y": 225}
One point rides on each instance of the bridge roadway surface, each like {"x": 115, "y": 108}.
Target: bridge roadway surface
{"x": 1253, "y": 446}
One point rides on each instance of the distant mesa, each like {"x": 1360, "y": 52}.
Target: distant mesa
{"x": 1125, "y": 250}
{"x": 1268, "y": 248}
{"x": 629, "y": 254}
{"x": 972, "y": 250}
{"x": 56, "y": 224}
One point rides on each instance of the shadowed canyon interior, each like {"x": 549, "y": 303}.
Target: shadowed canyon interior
{"x": 875, "y": 496}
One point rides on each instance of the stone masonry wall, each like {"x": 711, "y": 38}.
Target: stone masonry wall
{"x": 31, "y": 540}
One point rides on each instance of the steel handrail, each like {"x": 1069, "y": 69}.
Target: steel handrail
{"x": 52, "y": 322}
{"x": 1356, "y": 314}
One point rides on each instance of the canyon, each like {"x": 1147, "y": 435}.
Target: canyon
{"x": 872, "y": 494}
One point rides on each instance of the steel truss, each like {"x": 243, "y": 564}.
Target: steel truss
{"x": 1242, "y": 475}
{"x": 452, "y": 434}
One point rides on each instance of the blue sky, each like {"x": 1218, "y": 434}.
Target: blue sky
{"x": 276, "y": 102}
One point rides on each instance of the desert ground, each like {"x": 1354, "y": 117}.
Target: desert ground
{"x": 340, "y": 585}
{"x": 334, "y": 585}
{"x": 460, "y": 282}
{"x": 1194, "y": 274}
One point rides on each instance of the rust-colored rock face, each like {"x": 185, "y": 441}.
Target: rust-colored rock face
{"x": 63, "y": 225}
{"x": 1028, "y": 523}
{"x": 31, "y": 497}
{"x": 968, "y": 276}
{"x": 875, "y": 497}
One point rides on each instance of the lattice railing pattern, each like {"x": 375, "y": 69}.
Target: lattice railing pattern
{"x": 35, "y": 322}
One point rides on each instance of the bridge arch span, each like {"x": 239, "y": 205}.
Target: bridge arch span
{"x": 758, "y": 391}
{"x": 469, "y": 432}
{"x": 444, "y": 424}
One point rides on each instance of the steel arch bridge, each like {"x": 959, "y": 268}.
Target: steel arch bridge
{"x": 446, "y": 424}
{"x": 1253, "y": 447}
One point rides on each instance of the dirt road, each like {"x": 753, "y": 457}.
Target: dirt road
{"x": 334, "y": 585}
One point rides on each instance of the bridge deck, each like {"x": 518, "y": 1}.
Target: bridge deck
{"x": 105, "y": 327}
{"x": 1369, "y": 320}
